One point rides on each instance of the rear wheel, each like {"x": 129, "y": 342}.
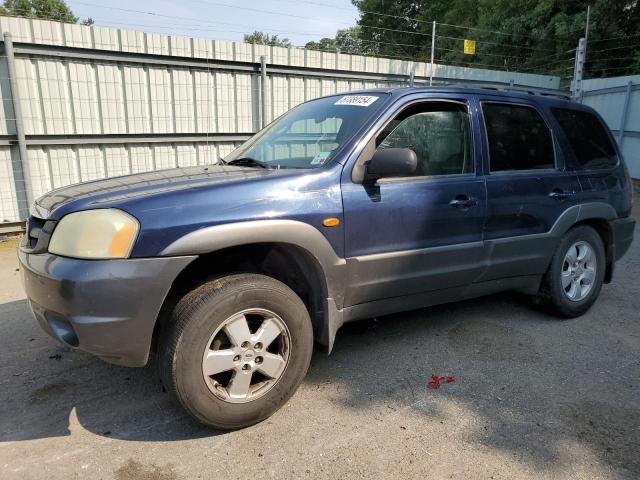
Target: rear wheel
{"x": 236, "y": 349}
{"x": 575, "y": 276}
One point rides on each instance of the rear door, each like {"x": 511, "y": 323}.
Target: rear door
{"x": 528, "y": 187}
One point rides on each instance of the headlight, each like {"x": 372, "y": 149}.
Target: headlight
{"x": 95, "y": 234}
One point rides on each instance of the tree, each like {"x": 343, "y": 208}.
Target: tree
{"x": 44, "y": 9}
{"x": 262, "y": 38}
{"x": 536, "y": 36}
{"x": 345, "y": 41}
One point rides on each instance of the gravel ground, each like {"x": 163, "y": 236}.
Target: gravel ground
{"x": 533, "y": 397}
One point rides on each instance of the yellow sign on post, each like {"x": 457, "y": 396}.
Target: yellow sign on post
{"x": 469, "y": 47}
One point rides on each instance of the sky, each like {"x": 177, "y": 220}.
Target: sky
{"x": 298, "y": 20}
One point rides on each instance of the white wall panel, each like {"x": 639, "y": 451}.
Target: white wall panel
{"x": 84, "y": 95}
{"x": 131, "y": 41}
{"x": 137, "y": 100}
{"x": 78, "y": 36}
{"x": 40, "y": 171}
{"x": 186, "y": 155}
{"x": 296, "y": 57}
{"x": 106, "y": 38}
{"x": 64, "y": 166}
{"x": 117, "y": 160}
{"x": 262, "y": 51}
{"x": 280, "y": 55}
{"x": 296, "y": 91}
{"x": 7, "y": 116}
{"x": 205, "y": 101}
{"x": 225, "y": 148}
{"x": 222, "y": 50}
{"x": 20, "y": 28}
{"x": 202, "y": 48}
{"x": 183, "y": 101}
{"x": 56, "y": 103}
{"x": 161, "y": 100}
{"x": 207, "y": 154}
{"x": 164, "y": 155}
{"x": 141, "y": 159}
{"x": 243, "y": 52}
{"x": 244, "y": 103}
{"x": 91, "y": 161}
{"x": 112, "y": 103}
{"x": 157, "y": 44}
{"x": 46, "y": 32}
{"x": 280, "y": 95}
{"x": 29, "y": 96}
{"x": 180, "y": 46}
{"x": 225, "y": 102}
{"x": 312, "y": 89}
{"x": 8, "y": 199}
{"x": 329, "y": 60}
{"x": 314, "y": 59}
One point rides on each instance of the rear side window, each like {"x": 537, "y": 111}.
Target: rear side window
{"x": 587, "y": 138}
{"x": 518, "y": 138}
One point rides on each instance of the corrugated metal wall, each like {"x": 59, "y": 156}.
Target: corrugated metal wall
{"x": 617, "y": 99}
{"x": 100, "y": 102}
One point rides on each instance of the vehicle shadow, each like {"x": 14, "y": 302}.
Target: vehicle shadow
{"x": 530, "y": 379}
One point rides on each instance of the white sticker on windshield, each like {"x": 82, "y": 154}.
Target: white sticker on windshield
{"x": 320, "y": 158}
{"x": 357, "y": 100}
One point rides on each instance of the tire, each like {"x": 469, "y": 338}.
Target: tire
{"x": 205, "y": 325}
{"x": 559, "y": 293}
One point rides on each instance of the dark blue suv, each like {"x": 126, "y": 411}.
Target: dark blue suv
{"x": 348, "y": 206}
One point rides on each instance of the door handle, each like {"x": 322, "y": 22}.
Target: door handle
{"x": 561, "y": 194}
{"x": 463, "y": 201}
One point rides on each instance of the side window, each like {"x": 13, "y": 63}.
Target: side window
{"x": 439, "y": 134}
{"x": 587, "y": 138}
{"x": 518, "y": 138}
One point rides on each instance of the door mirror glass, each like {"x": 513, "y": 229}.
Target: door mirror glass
{"x": 391, "y": 162}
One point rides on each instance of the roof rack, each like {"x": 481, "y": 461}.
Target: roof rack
{"x": 547, "y": 92}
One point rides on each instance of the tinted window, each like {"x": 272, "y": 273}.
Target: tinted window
{"x": 439, "y": 136}
{"x": 587, "y": 138}
{"x": 518, "y": 138}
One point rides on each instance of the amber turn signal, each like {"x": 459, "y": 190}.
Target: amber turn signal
{"x": 331, "y": 222}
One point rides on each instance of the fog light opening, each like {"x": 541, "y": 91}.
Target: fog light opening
{"x": 62, "y": 329}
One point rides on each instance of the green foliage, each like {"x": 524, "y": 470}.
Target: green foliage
{"x": 44, "y": 9}
{"x": 536, "y": 36}
{"x": 262, "y": 38}
{"x": 345, "y": 41}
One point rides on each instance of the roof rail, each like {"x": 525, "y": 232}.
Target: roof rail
{"x": 548, "y": 92}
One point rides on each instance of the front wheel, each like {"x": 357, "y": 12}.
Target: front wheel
{"x": 576, "y": 273}
{"x": 236, "y": 349}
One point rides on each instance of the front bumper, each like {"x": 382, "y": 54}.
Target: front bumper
{"x": 105, "y": 307}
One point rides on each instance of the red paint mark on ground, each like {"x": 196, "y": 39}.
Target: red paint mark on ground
{"x": 436, "y": 381}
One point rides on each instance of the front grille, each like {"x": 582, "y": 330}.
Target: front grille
{"x": 38, "y": 234}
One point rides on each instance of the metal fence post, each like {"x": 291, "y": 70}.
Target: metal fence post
{"x": 411, "y": 78}
{"x": 625, "y": 111}
{"x": 578, "y": 69}
{"x": 263, "y": 90}
{"x": 22, "y": 178}
{"x": 433, "y": 52}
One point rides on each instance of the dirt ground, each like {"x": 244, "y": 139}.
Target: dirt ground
{"x": 533, "y": 397}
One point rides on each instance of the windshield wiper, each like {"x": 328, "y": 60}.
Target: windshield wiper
{"x": 248, "y": 162}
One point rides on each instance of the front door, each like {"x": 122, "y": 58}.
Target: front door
{"x": 421, "y": 233}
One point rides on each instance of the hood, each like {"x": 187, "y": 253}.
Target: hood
{"x": 95, "y": 193}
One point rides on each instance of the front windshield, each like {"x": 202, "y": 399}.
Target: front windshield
{"x": 311, "y": 134}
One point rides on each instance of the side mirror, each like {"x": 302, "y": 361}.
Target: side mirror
{"x": 390, "y": 162}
